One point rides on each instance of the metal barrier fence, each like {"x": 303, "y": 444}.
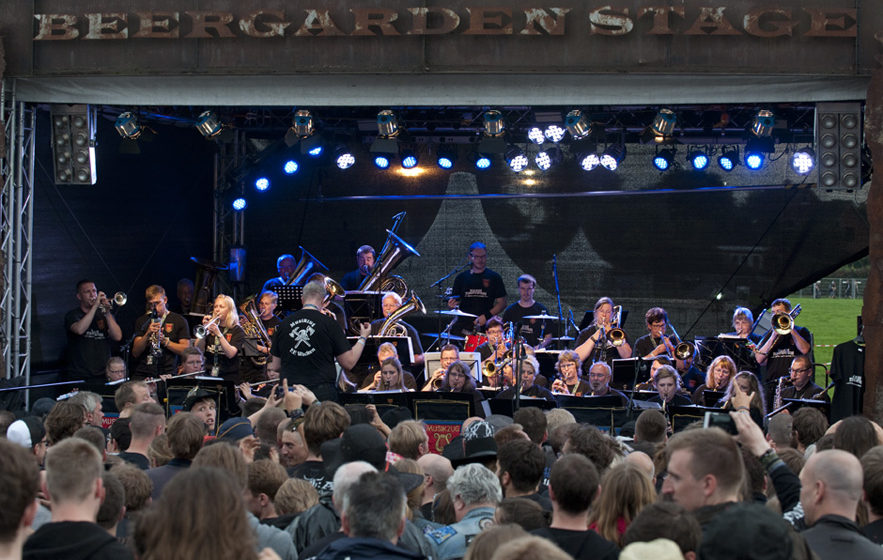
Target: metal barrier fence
{"x": 835, "y": 288}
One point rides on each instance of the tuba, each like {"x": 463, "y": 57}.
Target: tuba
{"x": 394, "y": 252}
{"x": 391, "y": 326}
{"x": 307, "y": 265}
{"x": 253, "y": 327}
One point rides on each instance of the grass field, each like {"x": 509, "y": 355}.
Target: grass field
{"x": 831, "y": 321}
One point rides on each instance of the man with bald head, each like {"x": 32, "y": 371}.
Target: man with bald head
{"x": 831, "y": 487}
{"x": 436, "y": 470}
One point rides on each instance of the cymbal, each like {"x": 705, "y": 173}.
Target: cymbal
{"x": 456, "y": 313}
{"x": 563, "y": 339}
{"x": 542, "y": 317}
{"x": 445, "y": 336}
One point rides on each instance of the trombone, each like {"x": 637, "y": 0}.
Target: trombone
{"x": 200, "y": 331}
{"x": 783, "y": 323}
{"x": 685, "y": 349}
{"x": 616, "y": 336}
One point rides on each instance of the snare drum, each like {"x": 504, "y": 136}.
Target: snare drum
{"x": 473, "y": 341}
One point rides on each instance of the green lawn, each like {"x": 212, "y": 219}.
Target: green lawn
{"x": 831, "y": 321}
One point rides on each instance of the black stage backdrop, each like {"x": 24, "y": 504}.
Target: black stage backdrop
{"x": 150, "y": 212}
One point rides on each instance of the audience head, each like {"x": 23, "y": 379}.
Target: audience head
{"x": 80, "y": 485}
{"x": 831, "y": 483}
{"x": 872, "y": 469}
{"x": 345, "y": 477}
{"x": 92, "y": 403}
{"x": 205, "y": 504}
{"x": 113, "y": 507}
{"x": 19, "y": 483}
{"x": 265, "y": 477}
{"x": 409, "y": 439}
{"x": 746, "y": 527}
{"x": 780, "y": 431}
{"x": 573, "y": 484}
{"x": 704, "y": 468}
{"x": 136, "y": 484}
{"x": 324, "y": 422}
{"x": 651, "y": 426}
{"x": 523, "y": 512}
{"x": 295, "y": 496}
{"x": 533, "y": 422}
{"x": 530, "y": 548}
{"x": 221, "y": 455}
{"x": 521, "y": 465}
{"x": 588, "y": 440}
{"x": 486, "y": 543}
{"x": 148, "y": 420}
{"x": 666, "y": 520}
{"x": 625, "y": 491}
{"x": 809, "y": 426}
{"x": 374, "y": 507}
{"x": 63, "y": 420}
{"x": 130, "y": 394}
{"x": 185, "y": 435}
{"x": 473, "y": 486}
{"x": 856, "y": 435}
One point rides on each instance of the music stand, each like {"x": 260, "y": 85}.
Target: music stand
{"x": 598, "y": 411}
{"x": 822, "y": 406}
{"x": 737, "y": 349}
{"x": 363, "y": 307}
{"x": 710, "y": 398}
{"x": 443, "y": 406}
{"x": 547, "y": 360}
{"x": 624, "y": 372}
{"x": 383, "y": 400}
{"x": 506, "y": 407}
{"x": 683, "y": 416}
{"x": 290, "y": 298}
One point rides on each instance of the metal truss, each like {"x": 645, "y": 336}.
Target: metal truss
{"x": 228, "y": 224}
{"x": 16, "y": 235}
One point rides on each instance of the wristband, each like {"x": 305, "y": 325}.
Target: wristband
{"x": 296, "y": 413}
{"x": 362, "y": 339}
{"x": 738, "y": 408}
{"x": 768, "y": 458}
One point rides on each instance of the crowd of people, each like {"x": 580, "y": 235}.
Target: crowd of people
{"x": 278, "y": 468}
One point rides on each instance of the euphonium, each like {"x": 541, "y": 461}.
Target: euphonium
{"x": 685, "y": 350}
{"x": 391, "y": 326}
{"x": 782, "y": 323}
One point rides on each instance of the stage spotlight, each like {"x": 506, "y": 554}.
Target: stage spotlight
{"x": 728, "y": 159}
{"x": 663, "y": 124}
{"x": 494, "y": 125}
{"x": 613, "y": 156}
{"x": 554, "y": 133}
{"x": 803, "y": 161}
{"x": 382, "y": 161}
{"x": 588, "y": 161}
{"x": 482, "y": 161}
{"x": 535, "y": 135}
{"x": 290, "y": 167}
{"x": 763, "y": 124}
{"x": 446, "y": 156}
{"x": 577, "y": 124}
{"x": 409, "y": 159}
{"x": 387, "y": 126}
{"x": 698, "y": 159}
{"x": 516, "y": 159}
{"x": 208, "y": 124}
{"x": 664, "y": 159}
{"x": 261, "y": 184}
{"x": 756, "y": 150}
{"x": 547, "y": 158}
{"x": 239, "y": 204}
{"x": 128, "y": 126}
{"x": 754, "y": 160}
{"x": 343, "y": 157}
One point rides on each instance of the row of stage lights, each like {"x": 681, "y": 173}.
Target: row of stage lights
{"x": 585, "y": 138}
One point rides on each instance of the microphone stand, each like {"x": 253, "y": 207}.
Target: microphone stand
{"x": 517, "y": 356}
{"x": 629, "y": 406}
{"x": 557, "y": 294}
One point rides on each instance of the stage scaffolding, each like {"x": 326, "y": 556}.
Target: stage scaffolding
{"x": 17, "y": 214}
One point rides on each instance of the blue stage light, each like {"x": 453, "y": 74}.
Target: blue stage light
{"x": 699, "y": 160}
{"x": 290, "y": 167}
{"x": 535, "y": 135}
{"x": 664, "y": 159}
{"x": 803, "y": 161}
{"x": 262, "y": 184}
{"x": 381, "y": 161}
{"x": 409, "y": 159}
{"x": 754, "y": 160}
{"x": 516, "y": 159}
{"x": 482, "y": 161}
{"x": 239, "y": 204}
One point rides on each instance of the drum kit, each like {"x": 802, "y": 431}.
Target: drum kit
{"x": 473, "y": 341}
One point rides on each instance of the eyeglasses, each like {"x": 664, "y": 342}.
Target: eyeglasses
{"x": 792, "y": 370}
{"x": 456, "y": 374}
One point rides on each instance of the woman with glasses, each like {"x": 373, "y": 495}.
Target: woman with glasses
{"x": 569, "y": 382}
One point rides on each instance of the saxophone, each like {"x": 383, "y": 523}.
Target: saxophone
{"x": 780, "y": 384}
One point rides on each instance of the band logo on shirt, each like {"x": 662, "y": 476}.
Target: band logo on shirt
{"x": 301, "y": 331}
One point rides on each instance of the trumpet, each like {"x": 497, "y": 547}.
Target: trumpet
{"x": 202, "y": 330}
{"x": 782, "y": 323}
{"x": 119, "y": 299}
